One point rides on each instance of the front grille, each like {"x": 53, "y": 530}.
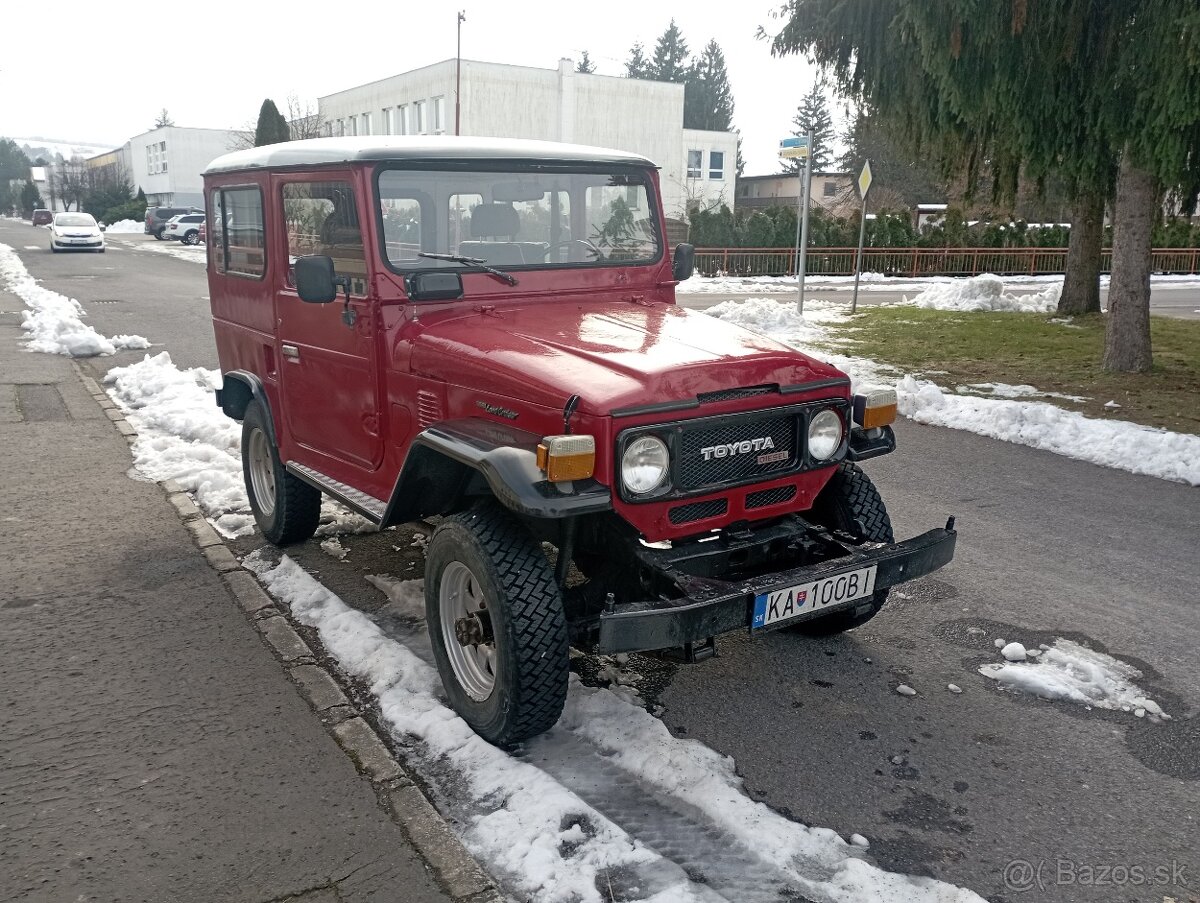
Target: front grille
{"x": 725, "y": 465}
{"x": 685, "y": 514}
{"x": 730, "y": 394}
{"x": 766, "y": 497}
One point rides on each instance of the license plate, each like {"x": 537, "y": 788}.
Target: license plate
{"x": 778, "y": 605}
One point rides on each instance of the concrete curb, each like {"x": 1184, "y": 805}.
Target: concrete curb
{"x": 431, "y": 836}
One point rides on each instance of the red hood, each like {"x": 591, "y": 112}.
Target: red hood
{"x": 612, "y": 355}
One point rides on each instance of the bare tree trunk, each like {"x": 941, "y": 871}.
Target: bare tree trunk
{"x": 1127, "y": 338}
{"x": 1081, "y": 287}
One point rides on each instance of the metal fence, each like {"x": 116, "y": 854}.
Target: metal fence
{"x": 920, "y": 261}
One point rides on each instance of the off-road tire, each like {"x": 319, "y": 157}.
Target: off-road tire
{"x": 850, "y": 503}
{"x": 297, "y": 509}
{"x": 527, "y": 620}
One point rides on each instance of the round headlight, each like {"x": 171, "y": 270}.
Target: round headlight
{"x": 644, "y": 465}
{"x": 824, "y": 434}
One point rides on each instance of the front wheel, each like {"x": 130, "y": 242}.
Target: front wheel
{"x": 192, "y": 238}
{"x": 286, "y": 508}
{"x": 496, "y": 623}
{"x": 850, "y": 503}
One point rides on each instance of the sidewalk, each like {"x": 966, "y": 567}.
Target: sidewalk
{"x": 152, "y": 747}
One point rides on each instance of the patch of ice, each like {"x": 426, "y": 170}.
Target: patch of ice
{"x": 54, "y": 322}
{"x": 334, "y": 547}
{"x": 906, "y": 690}
{"x": 954, "y": 688}
{"x": 1074, "y": 673}
{"x": 999, "y": 643}
{"x": 1004, "y": 390}
{"x": 859, "y": 841}
{"x": 405, "y": 597}
{"x": 1112, "y": 405}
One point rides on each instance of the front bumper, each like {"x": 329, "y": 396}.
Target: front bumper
{"x": 710, "y": 607}
{"x": 66, "y": 244}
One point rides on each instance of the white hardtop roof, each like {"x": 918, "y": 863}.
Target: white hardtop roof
{"x": 416, "y": 148}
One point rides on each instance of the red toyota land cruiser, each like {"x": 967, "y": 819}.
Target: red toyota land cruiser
{"x": 485, "y": 332}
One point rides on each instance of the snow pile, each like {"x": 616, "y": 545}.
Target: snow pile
{"x": 1074, "y": 673}
{"x": 1110, "y": 443}
{"x": 531, "y": 828}
{"x": 182, "y": 435}
{"x": 1005, "y": 390}
{"x": 986, "y": 293}
{"x": 125, "y": 225}
{"x": 194, "y": 253}
{"x": 55, "y": 322}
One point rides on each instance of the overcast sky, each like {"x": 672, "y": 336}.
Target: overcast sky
{"x": 100, "y": 72}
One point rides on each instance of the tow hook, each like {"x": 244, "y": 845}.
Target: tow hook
{"x": 691, "y": 653}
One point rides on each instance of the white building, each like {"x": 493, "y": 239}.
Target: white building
{"x": 502, "y": 101}
{"x": 167, "y": 162}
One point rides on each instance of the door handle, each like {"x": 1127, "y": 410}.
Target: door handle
{"x": 291, "y": 352}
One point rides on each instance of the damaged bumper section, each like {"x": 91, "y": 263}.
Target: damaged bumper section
{"x": 706, "y": 606}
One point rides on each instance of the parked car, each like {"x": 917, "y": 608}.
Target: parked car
{"x": 158, "y": 217}
{"x": 42, "y": 217}
{"x": 531, "y": 382}
{"x": 76, "y": 232}
{"x": 184, "y": 228}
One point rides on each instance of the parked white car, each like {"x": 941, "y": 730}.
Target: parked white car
{"x": 185, "y": 228}
{"x": 76, "y": 232}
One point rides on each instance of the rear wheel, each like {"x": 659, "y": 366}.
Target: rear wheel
{"x": 159, "y": 233}
{"x": 850, "y": 503}
{"x": 496, "y": 624}
{"x": 286, "y": 508}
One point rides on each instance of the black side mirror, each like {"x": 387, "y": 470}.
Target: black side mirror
{"x": 684, "y": 262}
{"x": 316, "y": 279}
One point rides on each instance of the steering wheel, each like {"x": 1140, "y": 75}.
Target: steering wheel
{"x": 596, "y": 252}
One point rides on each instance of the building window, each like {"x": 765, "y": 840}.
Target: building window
{"x": 162, "y": 161}
{"x": 402, "y": 119}
{"x": 366, "y": 124}
{"x": 830, "y": 188}
{"x": 419, "y": 122}
{"x": 352, "y": 121}
{"x": 716, "y": 165}
{"x": 439, "y": 115}
{"x": 386, "y": 122}
{"x": 695, "y": 164}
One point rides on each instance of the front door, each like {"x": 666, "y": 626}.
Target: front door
{"x": 326, "y": 365}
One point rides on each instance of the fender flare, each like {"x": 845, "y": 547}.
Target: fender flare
{"x": 504, "y": 457}
{"x": 239, "y": 389}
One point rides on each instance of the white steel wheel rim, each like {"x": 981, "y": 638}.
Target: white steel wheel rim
{"x": 262, "y": 473}
{"x": 461, "y": 599}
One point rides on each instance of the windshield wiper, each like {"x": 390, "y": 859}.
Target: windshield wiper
{"x": 474, "y": 262}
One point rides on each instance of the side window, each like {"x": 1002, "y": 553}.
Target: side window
{"x": 322, "y": 218}
{"x": 238, "y": 241}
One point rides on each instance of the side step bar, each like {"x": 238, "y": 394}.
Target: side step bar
{"x": 368, "y": 506}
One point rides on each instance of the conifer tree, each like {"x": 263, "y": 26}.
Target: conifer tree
{"x": 585, "y": 64}
{"x": 813, "y": 119}
{"x": 708, "y": 100}
{"x": 637, "y": 66}
{"x": 670, "y": 60}
{"x": 272, "y": 128}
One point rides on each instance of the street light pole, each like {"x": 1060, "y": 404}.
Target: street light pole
{"x": 462, "y": 16}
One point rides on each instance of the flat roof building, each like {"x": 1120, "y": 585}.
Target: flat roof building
{"x": 503, "y": 101}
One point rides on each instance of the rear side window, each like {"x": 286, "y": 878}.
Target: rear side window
{"x": 238, "y": 241}
{"x": 322, "y": 218}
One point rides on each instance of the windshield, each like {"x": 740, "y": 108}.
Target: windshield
{"x": 74, "y": 219}
{"x": 529, "y": 217}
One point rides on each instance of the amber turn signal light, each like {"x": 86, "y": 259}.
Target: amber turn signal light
{"x": 564, "y": 458}
{"x": 874, "y": 408}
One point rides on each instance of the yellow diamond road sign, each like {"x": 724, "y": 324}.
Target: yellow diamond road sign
{"x": 864, "y": 179}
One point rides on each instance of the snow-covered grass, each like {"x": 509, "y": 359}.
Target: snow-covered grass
{"x": 1074, "y": 673}
{"x": 1110, "y": 443}
{"x": 547, "y": 841}
{"x": 878, "y": 282}
{"x": 193, "y": 253}
{"x": 54, "y": 322}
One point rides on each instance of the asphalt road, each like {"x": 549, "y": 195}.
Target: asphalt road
{"x": 957, "y": 786}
